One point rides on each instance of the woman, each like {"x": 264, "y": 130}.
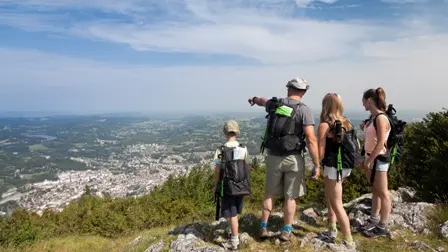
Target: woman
{"x": 332, "y": 110}
{"x": 376, "y": 163}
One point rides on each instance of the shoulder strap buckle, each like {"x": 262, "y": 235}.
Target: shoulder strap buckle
{"x": 221, "y": 155}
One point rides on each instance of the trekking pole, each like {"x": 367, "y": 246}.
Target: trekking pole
{"x": 394, "y": 153}
{"x": 218, "y": 206}
{"x": 338, "y": 129}
{"x": 339, "y": 168}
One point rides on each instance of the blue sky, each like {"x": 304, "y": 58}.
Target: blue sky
{"x": 156, "y": 55}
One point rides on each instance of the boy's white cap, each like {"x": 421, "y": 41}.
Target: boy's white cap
{"x": 231, "y": 126}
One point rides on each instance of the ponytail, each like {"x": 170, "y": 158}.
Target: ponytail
{"x": 378, "y": 96}
{"x": 380, "y": 100}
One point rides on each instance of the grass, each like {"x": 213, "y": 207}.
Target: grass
{"x": 125, "y": 244}
{"x": 437, "y": 216}
{"x": 400, "y": 243}
{"x": 37, "y": 147}
{"x": 148, "y": 237}
{"x": 100, "y": 244}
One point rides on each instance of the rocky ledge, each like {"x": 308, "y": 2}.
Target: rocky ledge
{"x": 408, "y": 215}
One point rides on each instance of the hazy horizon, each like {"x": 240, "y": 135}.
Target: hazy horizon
{"x": 353, "y": 114}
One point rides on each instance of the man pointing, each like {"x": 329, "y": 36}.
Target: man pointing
{"x": 290, "y": 122}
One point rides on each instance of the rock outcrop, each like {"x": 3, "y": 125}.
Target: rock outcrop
{"x": 407, "y": 213}
{"x": 444, "y": 229}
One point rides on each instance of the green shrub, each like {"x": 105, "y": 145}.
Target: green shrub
{"x": 180, "y": 199}
{"x": 425, "y": 156}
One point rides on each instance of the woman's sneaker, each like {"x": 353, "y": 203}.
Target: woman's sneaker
{"x": 328, "y": 236}
{"x": 343, "y": 246}
{"x": 349, "y": 246}
{"x": 377, "y": 231}
{"x": 370, "y": 225}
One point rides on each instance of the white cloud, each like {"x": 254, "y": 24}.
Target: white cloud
{"x": 411, "y": 77}
{"x": 266, "y": 33}
{"x": 304, "y": 3}
{"x": 346, "y": 56}
{"x": 295, "y": 41}
{"x": 108, "y": 5}
{"x": 404, "y": 1}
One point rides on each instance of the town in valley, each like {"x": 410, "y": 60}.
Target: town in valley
{"x": 46, "y": 162}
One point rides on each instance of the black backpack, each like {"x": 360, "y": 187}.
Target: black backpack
{"x": 281, "y": 137}
{"x": 347, "y": 148}
{"x": 394, "y": 142}
{"x": 234, "y": 175}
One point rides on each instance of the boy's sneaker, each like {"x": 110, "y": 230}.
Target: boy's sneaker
{"x": 230, "y": 245}
{"x": 377, "y": 231}
{"x": 285, "y": 235}
{"x": 264, "y": 233}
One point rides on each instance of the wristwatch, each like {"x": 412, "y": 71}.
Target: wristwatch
{"x": 366, "y": 164}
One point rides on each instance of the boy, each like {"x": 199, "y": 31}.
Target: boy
{"x": 232, "y": 197}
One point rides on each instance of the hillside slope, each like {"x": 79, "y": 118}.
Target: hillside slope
{"x": 412, "y": 229}
{"x": 156, "y": 222}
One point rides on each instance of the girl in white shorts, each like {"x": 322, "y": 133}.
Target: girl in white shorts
{"x": 332, "y": 109}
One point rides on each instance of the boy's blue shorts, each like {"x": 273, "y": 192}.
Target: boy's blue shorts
{"x": 231, "y": 206}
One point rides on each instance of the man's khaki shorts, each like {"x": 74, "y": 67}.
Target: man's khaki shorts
{"x": 285, "y": 176}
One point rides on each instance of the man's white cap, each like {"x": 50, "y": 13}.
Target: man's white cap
{"x": 298, "y": 83}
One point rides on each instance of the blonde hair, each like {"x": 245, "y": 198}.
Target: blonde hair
{"x": 333, "y": 109}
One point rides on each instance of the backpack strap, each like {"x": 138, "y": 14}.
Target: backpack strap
{"x": 390, "y": 123}
{"x": 222, "y": 171}
{"x": 331, "y": 125}
{"x": 298, "y": 105}
{"x": 374, "y": 119}
{"x": 220, "y": 155}
{"x": 294, "y": 106}
{"x": 349, "y": 122}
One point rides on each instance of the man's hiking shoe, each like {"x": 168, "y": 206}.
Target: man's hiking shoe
{"x": 230, "y": 245}
{"x": 264, "y": 233}
{"x": 285, "y": 235}
{"x": 377, "y": 231}
{"x": 328, "y": 236}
